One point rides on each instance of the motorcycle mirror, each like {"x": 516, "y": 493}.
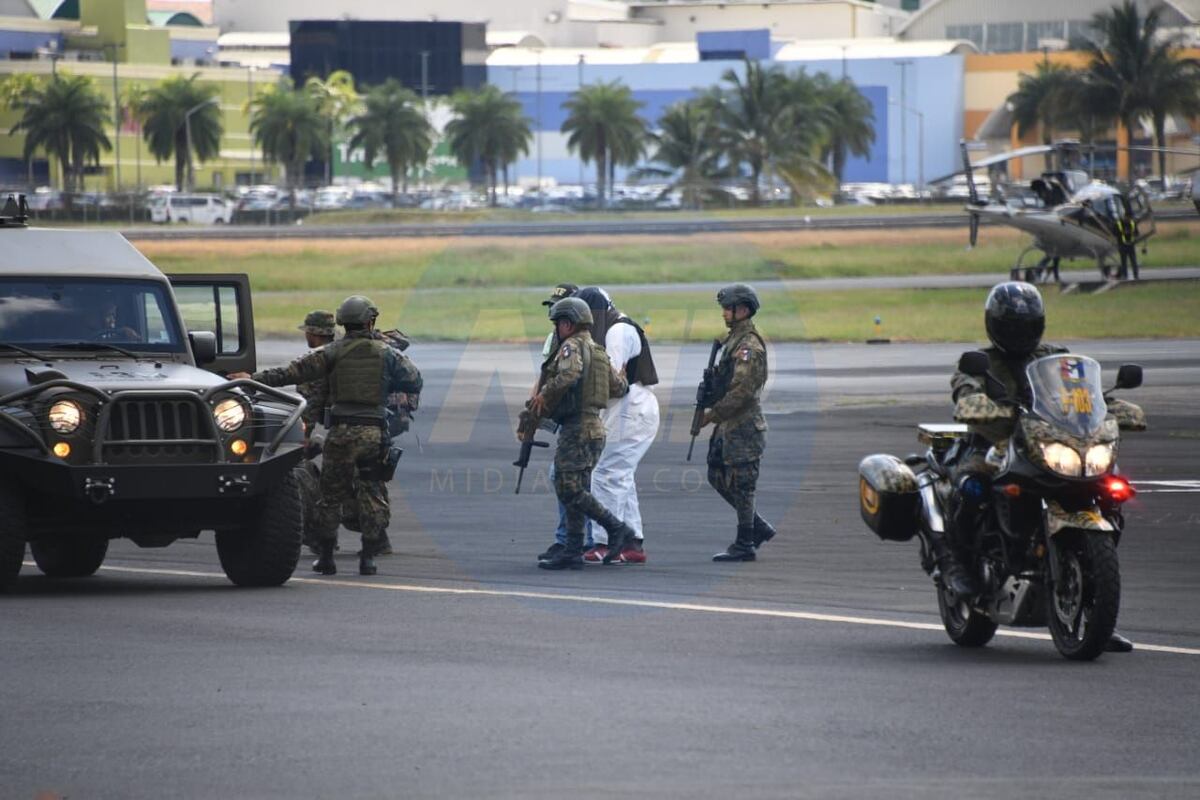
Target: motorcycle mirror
{"x": 974, "y": 363}
{"x": 1129, "y": 376}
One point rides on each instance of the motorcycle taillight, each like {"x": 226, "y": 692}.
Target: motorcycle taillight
{"x": 1119, "y": 489}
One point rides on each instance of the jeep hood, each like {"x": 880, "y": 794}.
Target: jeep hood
{"x": 106, "y": 375}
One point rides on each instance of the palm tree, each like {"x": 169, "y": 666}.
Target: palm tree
{"x": 603, "y": 126}
{"x": 15, "y": 91}
{"x": 753, "y": 112}
{"x": 162, "y": 112}
{"x": 392, "y": 123}
{"x": 1047, "y": 100}
{"x": 1176, "y": 90}
{"x": 489, "y": 127}
{"x": 289, "y": 128}
{"x": 687, "y": 145}
{"x": 65, "y": 116}
{"x": 850, "y": 122}
{"x": 338, "y": 100}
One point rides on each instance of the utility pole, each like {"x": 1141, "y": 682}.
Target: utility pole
{"x": 903, "y": 64}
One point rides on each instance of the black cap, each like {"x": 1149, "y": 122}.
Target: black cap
{"x": 559, "y": 292}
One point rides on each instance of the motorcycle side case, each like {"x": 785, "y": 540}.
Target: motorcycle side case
{"x": 888, "y": 497}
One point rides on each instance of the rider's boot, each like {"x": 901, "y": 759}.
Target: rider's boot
{"x": 325, "y": 565}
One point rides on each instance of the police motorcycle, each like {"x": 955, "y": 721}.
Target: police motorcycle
{"x": 1042, "y": 541}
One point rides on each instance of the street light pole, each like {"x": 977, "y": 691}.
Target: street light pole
{"x": 903, "y": 64}
{"x": 425, "y": 77}
{"x": 581, "y": 57}
{"x": 920, "y": 141}
{"x": 116, "y": 118}
{"x": 539, "y": 124}
{"x": 249, "y": 133}
{"x": 187, "y": 132}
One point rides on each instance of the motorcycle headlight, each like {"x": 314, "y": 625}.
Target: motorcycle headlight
{"x": 65, "y": 416}
{"x": 1062, "y": 459}
{"x": 1099, "y": 459}
{"x": 229, "y": 414}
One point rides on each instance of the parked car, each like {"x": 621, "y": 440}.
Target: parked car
{"x": 201, "y": 209}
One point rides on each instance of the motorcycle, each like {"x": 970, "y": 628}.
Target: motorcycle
{"x": 1043, "y": 531}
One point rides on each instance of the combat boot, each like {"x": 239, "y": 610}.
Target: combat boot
{"x": 763, "y": 531}
{"x": 569, "y": 557}
{"x": 325, "y": 564}
{"x": 742, "y": 548}
{"x": 955, "y": 576}
{"x": 619, "y": 538}
{"x": 366, "y": 557}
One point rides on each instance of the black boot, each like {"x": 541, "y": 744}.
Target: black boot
{"x": 619, "y": 538}
{"x": 324, "y": 564}
{"x": 742, "y": 548}
{"x": 551, "y": 551}
{"x": 366, "y": 558}
{"x": 570, "y": 557}
{"x": 955, "y": 576}
{"x": 1118, "y": 644}
{"x": 763, "y": 532}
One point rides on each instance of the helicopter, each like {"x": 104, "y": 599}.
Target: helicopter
{"x": 1068, "y": 213}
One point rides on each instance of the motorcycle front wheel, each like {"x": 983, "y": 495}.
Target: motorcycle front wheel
{"x": 965, "y": 626}
{"x": 1081, "y": 608}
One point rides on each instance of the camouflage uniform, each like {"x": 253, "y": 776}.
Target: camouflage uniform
{"x": 357, "y": 436}
{"x": 315, "y": 394}
{"x": 739, "y": 437}
{"x": 577, "y": 386}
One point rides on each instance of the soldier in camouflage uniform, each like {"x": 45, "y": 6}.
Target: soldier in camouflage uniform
{"x": 739, "y": 435}
{"x": 361, "y": 371}
{"x": 318, "y": 332}
{"x": 577, "y": 386}
{"x": 1015, "y": 318}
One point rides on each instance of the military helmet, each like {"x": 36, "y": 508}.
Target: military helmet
{"x": 356, "y": 310}
{"x": 571, "y": 309}
{"x": 1015, "y": 317}
{"x": 318, "y": 323}
{"x": 736, "y": 294}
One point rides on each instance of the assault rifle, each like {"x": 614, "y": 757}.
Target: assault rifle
{"x": 704, "y": 394}
{"x": 527, "y": 431}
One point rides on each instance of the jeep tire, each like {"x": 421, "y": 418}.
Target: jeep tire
{"x": 265, "y": 551}
{"x": 12, "y": 537}
{"x": 74, "y": 556}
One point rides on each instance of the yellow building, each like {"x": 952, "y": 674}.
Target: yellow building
{"x": 121, "y": 47}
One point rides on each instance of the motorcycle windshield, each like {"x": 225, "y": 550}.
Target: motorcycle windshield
{"x": 1066, "y": 393}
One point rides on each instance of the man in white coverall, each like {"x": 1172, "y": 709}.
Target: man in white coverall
{"x": 630, "y": 424}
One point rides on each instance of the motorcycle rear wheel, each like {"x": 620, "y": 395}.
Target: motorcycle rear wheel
{"x": 1081, "y": 609}
{"x": 965, "y": 626}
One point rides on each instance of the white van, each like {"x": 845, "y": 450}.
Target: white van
{"x": 202, "y": 209}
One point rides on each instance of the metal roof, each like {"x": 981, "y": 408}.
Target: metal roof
{"x": 75, "y": 253}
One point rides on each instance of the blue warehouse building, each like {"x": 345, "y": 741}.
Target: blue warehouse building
{"x": 915, "y": 88}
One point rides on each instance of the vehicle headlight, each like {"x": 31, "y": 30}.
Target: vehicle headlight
{"x": 229, "y": 414}
{"x": 65, "y": 416}
{"x": 1062, "y": 459}
{"x": 1099, "y": 459}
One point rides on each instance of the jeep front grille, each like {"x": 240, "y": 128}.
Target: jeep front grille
{"x": 157, "y": 431}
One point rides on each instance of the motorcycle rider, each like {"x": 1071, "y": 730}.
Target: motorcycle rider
{"x": 1015, "y": 318}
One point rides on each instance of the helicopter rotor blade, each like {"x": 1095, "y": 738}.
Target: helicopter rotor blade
{"x": 974, "y": 229}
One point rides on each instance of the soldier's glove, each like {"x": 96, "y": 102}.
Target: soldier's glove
{"x": 526, "y": 425}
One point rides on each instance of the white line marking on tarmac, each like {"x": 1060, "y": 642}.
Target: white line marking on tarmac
{"x": 807, "y": 616}
{"x": 1169, "y": 487}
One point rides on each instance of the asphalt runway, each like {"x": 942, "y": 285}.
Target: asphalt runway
{"x": 461, "y": 670}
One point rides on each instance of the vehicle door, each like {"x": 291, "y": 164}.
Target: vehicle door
{"x": 1139, "y": 207}
{"x": 219, "y": 303}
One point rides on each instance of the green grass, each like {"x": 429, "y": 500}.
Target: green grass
{"x": 462, "y": 263}
{"x": 1165, "y": 310}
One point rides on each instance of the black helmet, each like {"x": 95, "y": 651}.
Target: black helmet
{"x": 356, "y": 310}
{"x": 572, "y": 309}
{"x": 1015, "y": 317}
{"x": 736, "y": 294}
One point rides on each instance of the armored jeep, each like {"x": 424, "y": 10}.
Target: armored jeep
{"x": 115, "y": 420}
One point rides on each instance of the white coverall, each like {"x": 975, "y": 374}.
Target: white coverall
{"x": 630, "y": 424}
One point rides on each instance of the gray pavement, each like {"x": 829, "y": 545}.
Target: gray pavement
{"x": 461, "y": 670}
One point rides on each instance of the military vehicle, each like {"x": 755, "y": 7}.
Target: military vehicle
{"x": 115, "y": 420}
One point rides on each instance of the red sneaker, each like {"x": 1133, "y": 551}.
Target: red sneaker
{"x": 595, "y": 555}
{"x": 634, "y": 554}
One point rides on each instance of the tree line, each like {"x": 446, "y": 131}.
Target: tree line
{"x": 1133, "y": 72}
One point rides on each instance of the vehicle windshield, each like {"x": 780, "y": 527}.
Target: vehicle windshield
{"x": 1066, "y": 393}
{"x": 133, "y": 314}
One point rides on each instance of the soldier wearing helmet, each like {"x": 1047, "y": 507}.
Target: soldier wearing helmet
{"x": 578, "y": 383}
{"x": 1015, "y": 318}
{"x": 361, "y": 371}
{"x": 739, "y": 433}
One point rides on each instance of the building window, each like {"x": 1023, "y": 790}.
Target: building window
{"x": 1005, "y": 37}
{"x": 1036, "y": 32}
{"x": 910, "y": 5}
{"x": 972, "y": 33}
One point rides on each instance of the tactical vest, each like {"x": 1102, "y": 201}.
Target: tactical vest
{"x": 590, "y": 392}
{"x": 729, "y": 363}
{"x": 356, "y": 379}
{"x": 640, "y": 368}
